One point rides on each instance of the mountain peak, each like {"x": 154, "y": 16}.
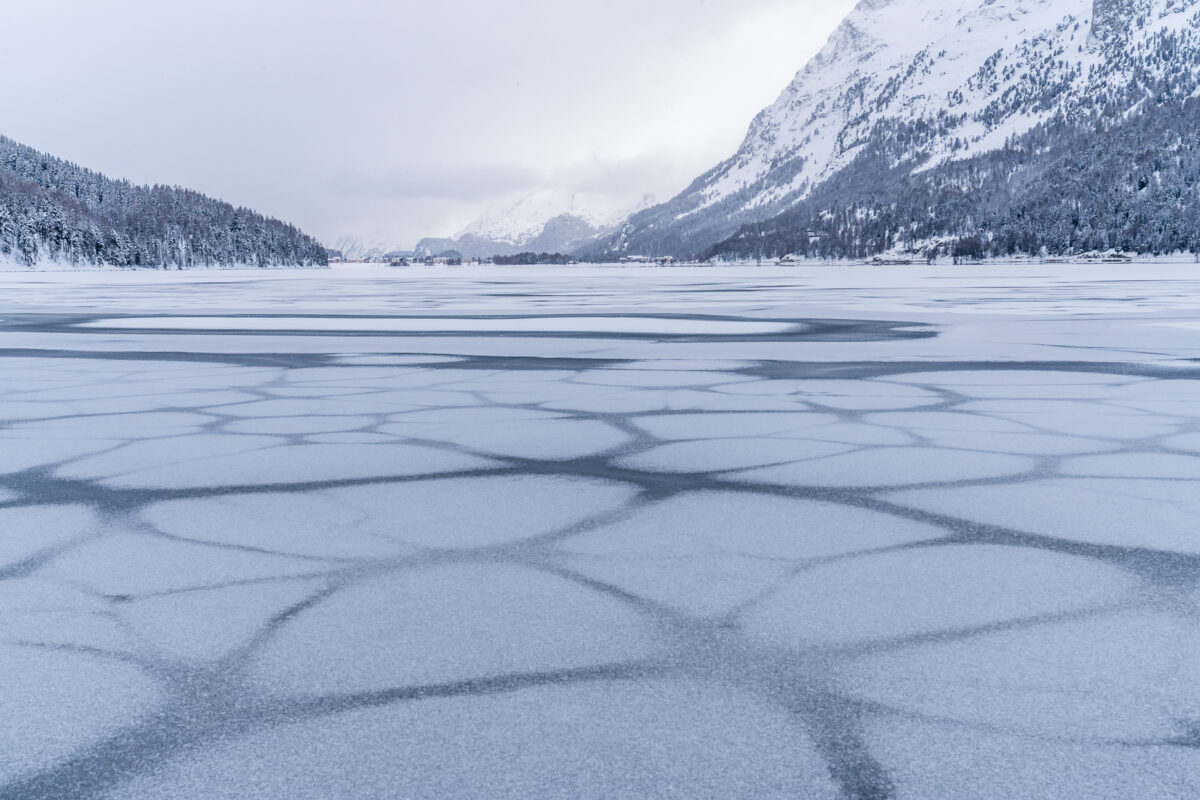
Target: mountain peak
{"x": 918, "y": 84}
{"x": 519, "y": 222}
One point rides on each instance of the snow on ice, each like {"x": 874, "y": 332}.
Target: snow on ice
{"x": 592, "y": 532}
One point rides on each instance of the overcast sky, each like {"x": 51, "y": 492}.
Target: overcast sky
{"x": 396, "y": 120}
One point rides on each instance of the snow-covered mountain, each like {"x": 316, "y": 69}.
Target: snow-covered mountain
{"x": 913, "y": 96}
{"x": 549, "y": 221}
{"x": 359, "y": 248}
{"x": 520, "y": 222}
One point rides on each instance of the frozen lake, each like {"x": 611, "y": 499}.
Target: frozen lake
{"x": 368, "y": 534}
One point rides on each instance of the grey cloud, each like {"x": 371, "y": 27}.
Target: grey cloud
{"x": 461, "y": 182}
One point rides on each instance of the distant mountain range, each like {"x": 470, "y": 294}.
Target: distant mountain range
{"x": 562, "y": 234}
{"x": 546, "y": 221}
{"x": 354, "y": 248}
{"x": 543, "y": 222}
{"x": 54, "y": 212}
{"x": 961, "y": 127}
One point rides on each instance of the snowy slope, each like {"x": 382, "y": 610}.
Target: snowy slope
{"x": 962, "y": 76}
{"x": 356, "y": 248}
{"x": 547, "y": 221}
{"x": 881, "y": 63}
{"x": 520, "y": 222}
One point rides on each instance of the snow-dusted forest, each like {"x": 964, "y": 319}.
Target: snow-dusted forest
{"x": 53, "y": 211}
{"x": 963, "y": 128}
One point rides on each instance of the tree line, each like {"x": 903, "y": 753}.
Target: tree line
{"x": 54, "y": 211}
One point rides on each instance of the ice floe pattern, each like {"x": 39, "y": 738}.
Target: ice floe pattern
{"x": 295, "y": 563}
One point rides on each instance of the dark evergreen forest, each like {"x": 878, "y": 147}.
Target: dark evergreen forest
{"x": 55, "y": 211}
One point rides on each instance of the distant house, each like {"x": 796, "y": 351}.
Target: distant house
{"x": 399, "y": 258}
{"x": 666, "y": 260}
{"x": 449, "y": 258}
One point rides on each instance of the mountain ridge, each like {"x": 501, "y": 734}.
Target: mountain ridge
{"x": 549, "y": 221}
{"x": 916, "y": 86}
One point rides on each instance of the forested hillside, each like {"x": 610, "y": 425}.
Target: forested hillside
{"x": 52, "y": 211}
{"x": 1124, "y": 183}
{"x": 974, "y": 127}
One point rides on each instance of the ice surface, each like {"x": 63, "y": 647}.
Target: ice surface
{"x": 931, "y": 590}
{"x": 966, "y": 431}
{"x": 1021, "y": 383}
{"x": 111, "y": 426}
{"x": 664, "y": 378}
{"x": 157, "y": 453}
{"x": 1076, "y": 418}
{"x": 528, "y": 436}
{"x": 56, "y": 702}
{"x": 935, "y": 759}
{"x": 1135, "y": 465}
{"x": 591, "y": 532}
{"x": 26, "y": 532}
{"x": 892, "y": 467}
{"x": 299, "y": 425}
{"x": 618, "y": 325}
{"x": 30, "y": 450}
{"x": 389, "y": 519}
{"x": 1128, "y": 676}
{"x": 716, "y": 455}
{"x": 300, "y": 464}
{"x": 1160, "y": 515}
{"x": 733, "y": 425}
{"x": 859, "y": 395}
{"x": 47, "y": 614}
{"x": 449, "y": 623}
{"x": 1188, "y": 441}
{"x": 207, "y": 624}
{"x": 127, "y": 564}
{"x": 623, "y": 739}
{"x": 708, "y": 553}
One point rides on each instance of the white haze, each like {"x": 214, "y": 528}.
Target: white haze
{"x": 395, "y": 120}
